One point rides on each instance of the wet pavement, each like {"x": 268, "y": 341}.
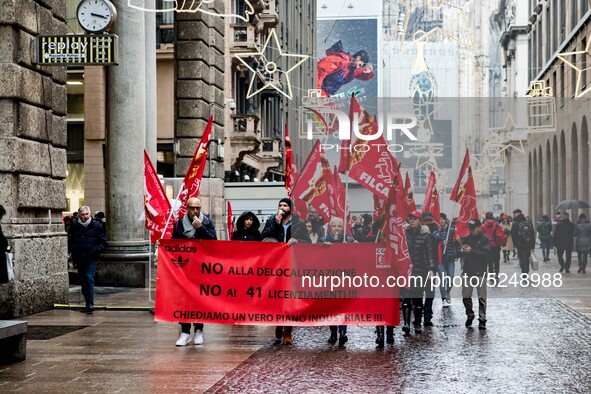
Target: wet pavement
{"x": 532, "y": 344}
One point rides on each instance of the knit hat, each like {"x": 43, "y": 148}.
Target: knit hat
{"x": 427, "y": 216}
{"x": 288, "y": 202}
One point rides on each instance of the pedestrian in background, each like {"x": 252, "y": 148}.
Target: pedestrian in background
{"x": 563, "y": 240}
{"x": 427, "y": 219}
{"x": 509, "y": 247}
{"x": 86, "y": 242}
{"x": 476, "y": 251}
{"x": 247, "y": 228}
{"x": 544, "y": 229}
{"x": 523, "y": 234}
{"x": 448, "y": 262}
{"x": 193, "y": 225}
{"x": 498, "y": 239}
{"x": 3, "y": 250}
{"x": 583, "y": 242}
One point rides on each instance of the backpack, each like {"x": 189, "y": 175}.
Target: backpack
{"x": 545, "y": 230}
{"x": 500, "y": 236}
{"x": 525, "y": 230}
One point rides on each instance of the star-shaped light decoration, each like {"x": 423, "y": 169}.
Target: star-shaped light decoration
{"x": 268, "y": 71}
{"x": 507, "y": 131}
{"x": 464, "y": 40}
{"x": 191, "y": 6}
{"x": 586, "y": 53}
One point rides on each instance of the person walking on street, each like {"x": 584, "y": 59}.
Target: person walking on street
{"x": 498, "y": 239}
{"x": 422, "y": 256}
{"x": 427, "y": 218}
{"x": 563, "y": 240}
{"x": 247, "y": 228}
{"x": 285, "y": 226}
{"x": 448, "y": 263}
{"x": 544, "y": 229}
{"x": 522, "y": 232}
{"x": 86, "y": 241}
{"x": 476, "y": 251}
{"x": 509, "y": 247}
{"x": 583, "y": 242}
{"x": 193, "y": 225}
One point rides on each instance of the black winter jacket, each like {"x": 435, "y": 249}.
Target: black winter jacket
{"x": 420, "y": 249}
{"x": 86, "y": 243}
{"x": 251, "y": 234}
{"x": 476, "y": 262}
{"x": 518, "y": 239}
{"x": 564, "y": 234}
{"x": 296, "y": 230}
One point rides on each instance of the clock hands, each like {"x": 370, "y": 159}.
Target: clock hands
{"x": 99, "y": 15}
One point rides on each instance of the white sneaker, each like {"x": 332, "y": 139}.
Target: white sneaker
{"x": 198, "y": 337}
{"x": 449, "y": 301}
{"x": 444, "y": 303}
{"x": 184, "y": 340}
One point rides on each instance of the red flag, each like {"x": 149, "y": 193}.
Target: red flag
{"x": 379, "y": 205}
{"x": 230, "y": 219}
{"x": 397, "y": 250}
{"x": 156, "y": 204}
{"x": 454, "y": 193}
{"x": 345, "y": 163}
{"x": 410, "y": 200}
{"x": 464, "y": 193}
{"x": 192, "y": 181}
{"x": 431, "y": 203}
{"x": 315, "y": 185}
{"x": 291, "y": 170}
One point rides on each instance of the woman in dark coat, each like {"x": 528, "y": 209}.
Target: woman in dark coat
{"x": 583, "y": 242}
{"x": 247, "y": 228}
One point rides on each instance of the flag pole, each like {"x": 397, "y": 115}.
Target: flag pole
{"x": 346, "y": 206}
{"x": 172, "y": 210}
{"x": 449, "y": 228}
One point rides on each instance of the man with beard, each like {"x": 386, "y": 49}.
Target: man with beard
{"x": 287, "y": 227}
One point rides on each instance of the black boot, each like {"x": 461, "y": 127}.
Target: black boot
{"x": 418, "y": 319}
{"x": 333, "y": 335}
{"x": 380, "y": 336}
{"x": 390, "y": 335}
{"x": 406, "y": 319}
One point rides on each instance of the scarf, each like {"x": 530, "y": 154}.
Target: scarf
{"x": 188, "y": 229}
{"x": 85, "y": 224}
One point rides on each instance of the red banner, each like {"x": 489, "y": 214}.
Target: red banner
{"x": 156, "y": 204}
{"x": 269, "y": 284}
{"x": 410, "y": 199}
{"x": 431, "y": 203}
{"x": 464, "y": 193}
{"x": 192, "y": 182}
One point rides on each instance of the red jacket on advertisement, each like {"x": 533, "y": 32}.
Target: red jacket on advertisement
{"x": 335, "y": 70}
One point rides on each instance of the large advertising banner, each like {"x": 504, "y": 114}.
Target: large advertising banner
{"x": 347, "y": 57}
{"x": 259, "y": 283}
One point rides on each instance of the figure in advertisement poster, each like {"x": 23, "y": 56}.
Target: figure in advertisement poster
{"x": 339, "y": 68}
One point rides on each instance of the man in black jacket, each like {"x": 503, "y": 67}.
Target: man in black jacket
{"x": 524, "y": 239}
{"x": 285, "y": 226}
{"x": 86, "y": 240}
{"x": 475, "y": 250}
{"x": 563, "y": 241}
{"x": 424, "y": 267}
{"x": 193, "y": 225}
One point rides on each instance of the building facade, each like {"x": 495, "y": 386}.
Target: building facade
{"x": 558, "y": 162}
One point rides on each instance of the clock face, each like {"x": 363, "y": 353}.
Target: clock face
{"x": 96, "y": 16}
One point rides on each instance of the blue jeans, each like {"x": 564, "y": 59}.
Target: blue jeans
{"x": 86, "y": 273}
{"x": 545, "y": 245}
{"x": 446, "y": 270}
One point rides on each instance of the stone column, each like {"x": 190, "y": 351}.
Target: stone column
{"x": 32, "y": 159}
{"x": 150, "y": 42}
{"x": 199, "y": 92}
{"x": 125, "y": 262}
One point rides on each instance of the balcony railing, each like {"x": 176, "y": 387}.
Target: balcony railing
{"x": 243, "y": 37}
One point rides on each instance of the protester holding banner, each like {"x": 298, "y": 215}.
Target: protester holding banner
{"x": 193, "y": 225}
{"x": 247, "y": 228}
{"x": 336, "y": 232}
{"x": 285, "y": 226}
{"x": 420, "y": 249}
